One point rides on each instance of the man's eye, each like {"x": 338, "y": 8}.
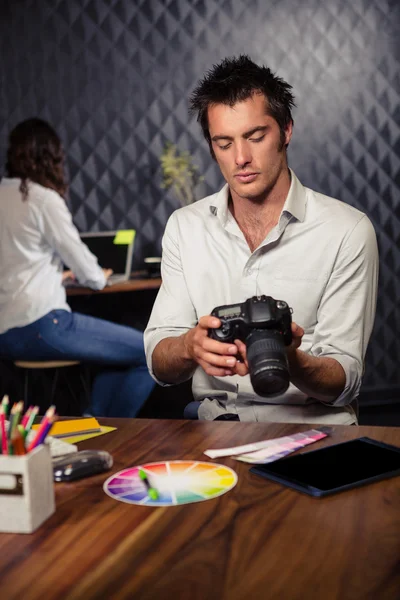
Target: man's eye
{"x": 259, "y": 139}
{"x": 225, "y": 147}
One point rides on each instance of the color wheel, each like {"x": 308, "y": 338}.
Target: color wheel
{"x": 176, "y": 481}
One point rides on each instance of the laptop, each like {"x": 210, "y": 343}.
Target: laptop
{"x": 113, "y": 250}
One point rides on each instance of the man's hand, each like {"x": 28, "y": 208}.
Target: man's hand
{"x": 216, "y": 358}
{"x": 297, "y": 336}
{"x": 242, "y": 366}
{"x": 175, "y": 359}
{"x": 220, "y": 359}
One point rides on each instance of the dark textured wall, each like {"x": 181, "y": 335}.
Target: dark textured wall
{"x": 113, "y": 77}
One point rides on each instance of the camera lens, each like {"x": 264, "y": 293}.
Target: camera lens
{"x": 268, "y": 364}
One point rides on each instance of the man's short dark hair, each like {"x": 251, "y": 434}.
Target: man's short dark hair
{"x": 235, "y": 80}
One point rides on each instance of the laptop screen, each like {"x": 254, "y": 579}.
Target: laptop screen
{"x": 111, "y": 255}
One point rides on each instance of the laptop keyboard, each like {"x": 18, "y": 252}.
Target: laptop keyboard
{"x": 71, "y": 283}
{"x": 116, "y": 279}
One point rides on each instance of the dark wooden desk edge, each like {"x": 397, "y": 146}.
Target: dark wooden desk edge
{"x": 251, "y": 431}
{"x": 115, "y": 421}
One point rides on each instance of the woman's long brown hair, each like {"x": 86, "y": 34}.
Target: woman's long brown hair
{"x": 35, "y": 153}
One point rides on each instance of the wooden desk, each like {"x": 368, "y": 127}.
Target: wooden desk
{"x": 258, "y": 541}
{"x": 132, "y": 285}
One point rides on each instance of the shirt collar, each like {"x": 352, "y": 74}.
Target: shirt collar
{"x": 219, "y": 205}
{"x": 295, "y": 203}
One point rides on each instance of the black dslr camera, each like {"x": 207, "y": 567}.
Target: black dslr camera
{"x": 264, "y": 324}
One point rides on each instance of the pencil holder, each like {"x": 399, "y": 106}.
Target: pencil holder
{"x": 26, "y": 490}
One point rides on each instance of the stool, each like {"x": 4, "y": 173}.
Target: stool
{"x": 56, "y": 365}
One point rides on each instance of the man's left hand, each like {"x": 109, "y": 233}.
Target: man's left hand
{"x": 297, "y": 336}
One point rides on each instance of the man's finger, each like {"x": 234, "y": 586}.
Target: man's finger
{"x": 297, "y": 331}
{"x": 241, "y": 346}
{"x": 216, "y": 347}
{"x": 215, "y": 371}
{"x": 209, "y": 322}
{"x": 241, "y": 369}
{"x": 227, "y": 362}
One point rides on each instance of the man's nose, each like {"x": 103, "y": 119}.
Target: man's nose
{"x": 242, "y": 154}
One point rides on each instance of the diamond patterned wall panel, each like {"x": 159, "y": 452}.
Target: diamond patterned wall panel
{"x": 113, "y": 76}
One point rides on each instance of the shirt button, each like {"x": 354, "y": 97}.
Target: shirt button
{"x": 249, "y": 271}
{"x": 55, "y": 321}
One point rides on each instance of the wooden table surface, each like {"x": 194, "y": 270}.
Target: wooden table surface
{"x": 132, "y": 285}
{"x": 258, "y": 541}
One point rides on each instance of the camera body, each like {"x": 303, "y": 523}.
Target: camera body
{"x": 258, "y": 312}
{"x": 264, "y": 324}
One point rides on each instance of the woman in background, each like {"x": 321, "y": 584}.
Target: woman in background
{"x": 37, "y": 237}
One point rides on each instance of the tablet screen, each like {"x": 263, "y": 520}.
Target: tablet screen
{"x": 336, "y": 467}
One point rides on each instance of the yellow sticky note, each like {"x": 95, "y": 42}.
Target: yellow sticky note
{"x": 125, "y": 237}
{"x": 75, "y": 439}
{"x": 73, "y": 427}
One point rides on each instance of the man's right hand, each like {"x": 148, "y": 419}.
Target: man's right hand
{"x": 216, "y": 358}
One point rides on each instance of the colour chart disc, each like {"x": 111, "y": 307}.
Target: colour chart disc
{"x": 176, "y": 482}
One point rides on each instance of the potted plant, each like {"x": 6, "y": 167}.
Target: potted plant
{"x": 179, "y": 173}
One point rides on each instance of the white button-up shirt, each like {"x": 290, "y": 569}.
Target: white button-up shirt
{"x": 36, "y": 236}
{"x": 321, "y": 258}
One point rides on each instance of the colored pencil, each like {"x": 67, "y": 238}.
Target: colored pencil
{"x": 18, "y": 443}
{"x": 4, "y": 441}
{"x": 11, "y": 420}
{"x": 17, "y": 415}
{"x": 25, "y": 418}
{"x": 5, "y": 404}
{"x": 46, "y": 430}
{"x": 30, "y": 420}
{"x": 43, "y": 427}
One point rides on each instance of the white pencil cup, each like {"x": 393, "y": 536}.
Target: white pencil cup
{"x": 26, "y": 490}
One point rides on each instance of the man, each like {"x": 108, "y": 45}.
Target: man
{"x": 263, "y": 233}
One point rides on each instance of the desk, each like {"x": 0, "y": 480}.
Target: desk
{"x": 258, "y": 541}
{"x": 115, "y": 303}
{"x": 132, "y": 285}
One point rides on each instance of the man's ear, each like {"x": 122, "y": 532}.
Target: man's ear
{"x": 288, "y": 133}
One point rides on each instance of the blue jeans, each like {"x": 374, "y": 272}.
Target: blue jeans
{"x": 121, "y": 389}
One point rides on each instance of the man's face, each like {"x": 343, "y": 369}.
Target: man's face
{"x": 248, "y": 147}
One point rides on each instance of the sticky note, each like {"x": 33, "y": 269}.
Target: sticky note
{"x": 73, "y": 427}
{"x": 75, "y": 439}
{"x": 125, "y": 237}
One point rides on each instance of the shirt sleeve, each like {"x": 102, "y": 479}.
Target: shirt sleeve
{"x": 347, "y": 309}
{"x": 55, "y": 222}
{"x": 173, "y": 312}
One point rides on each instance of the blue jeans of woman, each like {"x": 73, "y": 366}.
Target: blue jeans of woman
{"x": 118, "y": 391}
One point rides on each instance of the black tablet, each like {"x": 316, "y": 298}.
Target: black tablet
{"x": 335, "y": 468}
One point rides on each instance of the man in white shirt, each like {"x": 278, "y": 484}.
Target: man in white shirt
{"x": 263, "y": 233}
